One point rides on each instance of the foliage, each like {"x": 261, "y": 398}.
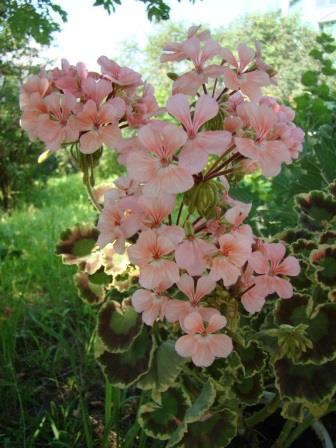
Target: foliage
{"x": 18, "y": 155}
{"x": 27, "y": 19}
{"x": 315, "y": 169}
{"x": 157, "y": 10}
{"x": 45, "y": 331}
{"x": 190, "y": 265}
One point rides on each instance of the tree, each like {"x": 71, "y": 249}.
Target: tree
{"x": 157, "y": 10}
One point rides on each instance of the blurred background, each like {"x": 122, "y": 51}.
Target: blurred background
{"x": 50, "y": 386}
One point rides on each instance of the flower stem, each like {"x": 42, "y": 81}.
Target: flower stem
{"x": 179, "y": 213}
{"x": 92, "y": 198}
{"x": 279, "y": 443}
{"x": 219, "y": 160}
{"x": 264, "y": 413}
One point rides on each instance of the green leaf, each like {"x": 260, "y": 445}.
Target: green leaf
{"x": 76, "y": 244}
{"x": 309, "y": 78}
{"x": 249, "y": 390}
{"x": 252, "y": 357}
{"x": 126, "y": 368}
{"x": 118, "y": 325}
{"x": 166, "y": 366}
{"x": 324, "y": 258}
{"x": 202, "y": 403}
{"x": 215, "y": 431}
{"x": 305, "y": 383}
{"x": 160, "y": 420}
{"x": 316, "y": 209}
{"x": 293, "y": 411}
{"x": 100, "y": 277}
{"x": 88, "y": 291}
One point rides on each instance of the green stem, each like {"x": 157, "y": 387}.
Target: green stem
{"x": 107, "y": 413}
{"x": 211, "y": 169}
{"x": 288, "y": 426}
{"x": 302, "y": 427}
{"x": 264, "y": 413}
{"x": 298, "y": 431}
{"x": 92, "y": 198}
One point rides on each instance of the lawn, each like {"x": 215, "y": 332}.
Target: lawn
{"x": 51, "y": 388}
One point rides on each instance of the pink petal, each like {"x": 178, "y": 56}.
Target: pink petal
{"x": 216, "y": 323}
{"x": 186, "y": 285}
{"x": 290, "y": 266}
{"x": 150, "y": 315}
{"x": 142, "y": 300}
{"x": 110, "y": 135}
{"x": 206, "y": 108}
{"x": 228, "y": 56}
{"x": 177, "y": 310}
{"x": 173, "y": 138}
{"x": 191, "y": 48}
{"x": 188, "y": 83}
{"x": 90, "y": 142}
{"x": 175, "y": 179}
{"x": 141, "y": 166}
{"x": 252, "y": 301}
{"x": 157, "y": 272}
{"x": 220, "y": 345}
{"x": 258, "y": 263}
{"x": 202, "y": 357}
{"x": 193, "y": 158}
{"x": 213, "y": 142}
{"x": 186, "y": 346}
{"x": 283, "y": 288}
{"x": 193, "y": 323}
{"x": 178, "y": 107}
{"x": 230, "y": 79}
{"x": 274, "y": 252}
{"x": 205, "y": 285}
{"x": 246, "y": 55}
{"x": 223, "y": 269}
{"x": 247, "y": 148}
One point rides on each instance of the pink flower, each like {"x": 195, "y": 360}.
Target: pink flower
{"x": 59, "y": 125}
{"x": 268, "y": 261}
{"x": 117, "y": 222}
{"x": 150, "y": 304}
{"x": 149, "y": 253}
{"x": 190, "y": 82}
{"x": 69, "y": 78}
{"x": 249, "y": 82}
{"x": 269, "y": 153}
{"x": 253, "y": 299}
{"x": 179, "y": 309}
{"x": 33, "y": 110}
{"x": 233, "y": 253}
{"x": 174, "y": 51}
{"x": 201, "y": 344}
{"x": 34, "y": 84}
{"x": 156, "y": 209}
{"x": 96, "y": 90}
{"x": 157, "y": 168}
{"x": 122, "y": 76}
{"x": 101, "y": 124}
{"x": 140, "y": 109}
{"x": 194, "y": 155}
{"x": 193, "y": 254}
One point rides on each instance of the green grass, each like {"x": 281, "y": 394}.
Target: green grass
{"x": 50, "y": 386}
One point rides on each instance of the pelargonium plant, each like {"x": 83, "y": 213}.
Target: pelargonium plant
{"x": 185, "y": 284}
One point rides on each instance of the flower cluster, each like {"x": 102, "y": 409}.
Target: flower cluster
{"x": 71, "y": 105}
{"x": 172, "y": 212}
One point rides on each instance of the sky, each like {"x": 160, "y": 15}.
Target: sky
{"x": 91, "y": 32}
